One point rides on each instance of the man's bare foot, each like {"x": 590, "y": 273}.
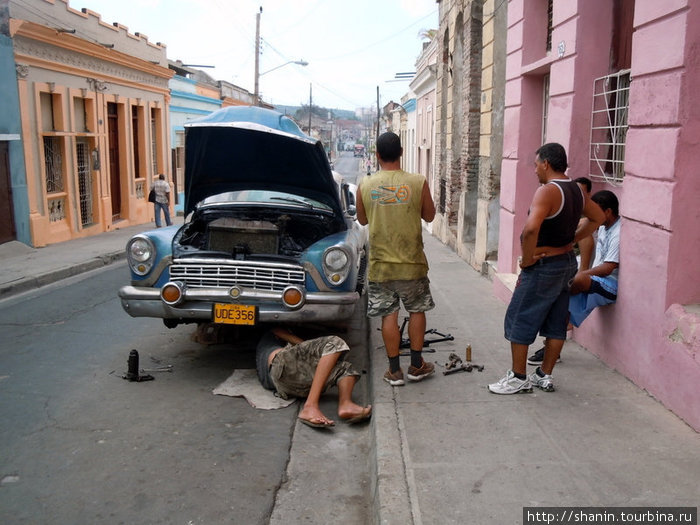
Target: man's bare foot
{"x": 352, "y": 413}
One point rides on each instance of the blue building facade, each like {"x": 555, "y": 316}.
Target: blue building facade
{"x": 190, "y": 98}
{"x": 14, "y": 208}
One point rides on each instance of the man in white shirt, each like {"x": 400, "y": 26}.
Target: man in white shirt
{"x": 162, "y": 200}
{"x": 597, "y": 286}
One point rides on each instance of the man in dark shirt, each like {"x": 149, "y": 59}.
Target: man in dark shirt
{"x": 541, "y": 297}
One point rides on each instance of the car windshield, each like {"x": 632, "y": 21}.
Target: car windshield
{"x": 272, "y": 198}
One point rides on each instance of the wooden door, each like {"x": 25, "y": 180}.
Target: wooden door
{"x": 114, "y": 171}
{"x": 7, "y": 218}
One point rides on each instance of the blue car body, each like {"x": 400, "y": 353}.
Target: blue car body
{"x": 270, "y": 234}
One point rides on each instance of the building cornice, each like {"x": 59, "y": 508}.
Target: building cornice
{"x": 24, "y": 60}
{"x": 66, "y": 41}
{"x": 424, "y": 81}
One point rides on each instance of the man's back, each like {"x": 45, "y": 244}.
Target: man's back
{"x": 393, "y": 203}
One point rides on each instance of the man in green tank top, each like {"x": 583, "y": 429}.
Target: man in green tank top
{"x": 393, "y": 202}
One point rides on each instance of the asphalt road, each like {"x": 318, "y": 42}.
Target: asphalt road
{"x": 82, "y": 445}
{"x": 348, "y": 166}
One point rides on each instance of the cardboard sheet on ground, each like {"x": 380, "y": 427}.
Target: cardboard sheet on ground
{"x": 244, "y": 383}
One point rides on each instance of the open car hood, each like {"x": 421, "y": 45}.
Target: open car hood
{"x": 244, "y": 147}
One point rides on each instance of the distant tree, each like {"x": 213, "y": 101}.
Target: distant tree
{"x": 427, "y": 34}
{"x": 316, "y": 111}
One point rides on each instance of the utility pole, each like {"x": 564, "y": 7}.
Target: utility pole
{"x": 257, "y": 57}
{"x": 378, "y": 114}
{"x": 310, "y": 109}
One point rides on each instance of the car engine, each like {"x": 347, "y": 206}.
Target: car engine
{"x": 246, "y": 235}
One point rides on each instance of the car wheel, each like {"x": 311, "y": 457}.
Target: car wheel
{"x": 362, "y": 277}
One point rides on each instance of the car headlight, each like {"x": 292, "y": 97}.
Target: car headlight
{"x": 336, "y": 265}
{"x": 141, "y": 254}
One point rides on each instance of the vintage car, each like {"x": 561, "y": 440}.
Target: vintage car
{"x": 270, "y": 233}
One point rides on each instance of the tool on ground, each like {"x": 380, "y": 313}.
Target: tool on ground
{"x": 480, "y": 368}
{"x": 406, "y": 342}
{"x": 132, "y": 373}
{"x": 165, "y": 368}
{"x": 455, "y": 363}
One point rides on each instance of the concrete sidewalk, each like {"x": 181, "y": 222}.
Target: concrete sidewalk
{"x": 448, "y": 451}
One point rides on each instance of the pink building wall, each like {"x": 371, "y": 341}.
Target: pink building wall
{"x": 652, "y": 334}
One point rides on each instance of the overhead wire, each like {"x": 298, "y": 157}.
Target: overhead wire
{"x": 225, "y": 7}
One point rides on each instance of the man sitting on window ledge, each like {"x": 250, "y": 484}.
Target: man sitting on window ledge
{"x": 597, "y": 286}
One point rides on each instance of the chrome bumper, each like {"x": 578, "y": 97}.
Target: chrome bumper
{"x": 198, "y": 305}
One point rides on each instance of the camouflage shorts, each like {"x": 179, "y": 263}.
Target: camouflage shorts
{"x": 384, "y": 298}
{"x": 293, "y": 368}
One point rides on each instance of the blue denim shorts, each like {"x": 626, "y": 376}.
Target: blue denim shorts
{"x": 603, "y": 291}
{"x": 540, "y": 301}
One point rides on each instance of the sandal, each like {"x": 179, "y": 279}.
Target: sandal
{"x": 359, "y": 418}
{"x": 316, "y": 423}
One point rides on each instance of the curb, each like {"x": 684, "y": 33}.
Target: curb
{"x": 26, "y": 284}
{"x": 390, "y": 496}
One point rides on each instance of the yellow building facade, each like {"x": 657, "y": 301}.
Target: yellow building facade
{"x": 94, "y": 119}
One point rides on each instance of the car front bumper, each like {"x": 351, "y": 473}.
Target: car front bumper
{"x": 198, "y": 305}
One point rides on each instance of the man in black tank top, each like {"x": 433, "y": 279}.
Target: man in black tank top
{"x": 541, "y": 297}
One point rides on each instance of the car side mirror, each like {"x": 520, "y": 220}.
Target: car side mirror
{"x": 352, "y": 210}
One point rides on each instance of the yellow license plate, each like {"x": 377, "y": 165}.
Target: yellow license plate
{"x": 234, "y": 314}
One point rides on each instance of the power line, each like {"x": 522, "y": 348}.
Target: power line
{"x": 357, "y": 51}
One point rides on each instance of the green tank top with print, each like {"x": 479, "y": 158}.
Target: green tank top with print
{"x": 392, "y": 201}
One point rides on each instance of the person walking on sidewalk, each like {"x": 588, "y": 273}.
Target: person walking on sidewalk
{"x": 541, "y": 297}
{"x": 162, "y": 200}
{"x": 393, "y": 202}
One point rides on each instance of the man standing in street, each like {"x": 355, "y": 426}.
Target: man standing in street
{"x": 162, "y": 200}
{"x": 393, "y": 202}
{"x": 540, "y": 301}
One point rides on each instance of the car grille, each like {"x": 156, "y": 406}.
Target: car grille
{"x": 259, "y": 276}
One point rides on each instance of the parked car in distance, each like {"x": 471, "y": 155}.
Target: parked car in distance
{"x": 270, "y": 234}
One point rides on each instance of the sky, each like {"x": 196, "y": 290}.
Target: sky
{"x": 351, "y": 47}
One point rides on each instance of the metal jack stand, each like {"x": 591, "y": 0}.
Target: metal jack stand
{"x": 406, "y": 342}
{"x": 132, "y": 373}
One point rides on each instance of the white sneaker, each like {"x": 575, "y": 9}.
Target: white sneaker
{"x": 544, "y": 382}
{"x": 511, "y": 385}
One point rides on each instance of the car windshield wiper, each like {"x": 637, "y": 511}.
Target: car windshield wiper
{"x": 296, "y": 201}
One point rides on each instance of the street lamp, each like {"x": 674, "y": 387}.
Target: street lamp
{"x": 297, "y": 62}
{"x": 257, "y": 79}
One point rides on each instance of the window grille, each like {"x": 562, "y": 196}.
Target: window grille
{"x": 609, "y": 127}
{"x": 84, "y": 183}
{"x": 57, "y": 210}
{"x": 54, "y": 164}
{"x": 141, "y": 189}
